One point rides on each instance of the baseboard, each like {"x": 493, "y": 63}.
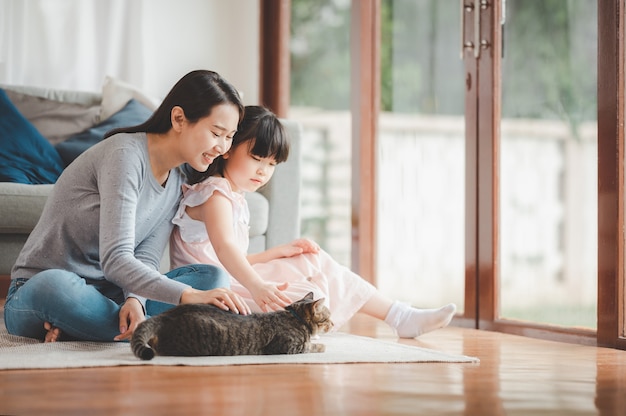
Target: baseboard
{"x": 5, "y": 281}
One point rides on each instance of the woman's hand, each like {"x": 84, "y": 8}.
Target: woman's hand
{"x": 270, "y": 297}
{"x": 222, "y": 298}
{"x": 131, "y": 315}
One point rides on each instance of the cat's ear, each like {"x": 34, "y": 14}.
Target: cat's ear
{"x": 318, "y": 304}
{"x": 308, "y": 296}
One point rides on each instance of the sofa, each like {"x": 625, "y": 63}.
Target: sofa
{"x": 71, "y": 121}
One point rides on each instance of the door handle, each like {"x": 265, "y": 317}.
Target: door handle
{"x": 465, "y": 8}
{"x": 478, "y": 44}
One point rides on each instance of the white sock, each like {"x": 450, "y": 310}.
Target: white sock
{"x": 410, "y": 322}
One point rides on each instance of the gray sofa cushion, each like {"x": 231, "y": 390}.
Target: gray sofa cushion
{"x": 21, "y": 206}
{"x": 259, "y": 211}
{"x": 11, "y": 245}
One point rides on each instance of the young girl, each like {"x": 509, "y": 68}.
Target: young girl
{"x": 92, "y": 260}
{"x": 212, "y": 228}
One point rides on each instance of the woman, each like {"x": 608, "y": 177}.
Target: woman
{"x": 91, "y": 262}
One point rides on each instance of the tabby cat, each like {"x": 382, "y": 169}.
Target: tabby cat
{"x": 197, "y": 329}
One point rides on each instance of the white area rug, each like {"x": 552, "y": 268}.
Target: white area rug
{"x": 26, "y": 353}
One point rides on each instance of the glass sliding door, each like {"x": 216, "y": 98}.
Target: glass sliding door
{"x": 320, "y": 101}
{"x": 548, "y": 163}
{"x": 421, "y": 154}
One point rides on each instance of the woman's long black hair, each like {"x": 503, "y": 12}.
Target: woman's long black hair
{"x": 262, "y": 131}
{"x": 196, "y": 93}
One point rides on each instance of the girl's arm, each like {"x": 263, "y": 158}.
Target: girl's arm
{"x": 216, "y": 214}
{"x": 296, "y": 247}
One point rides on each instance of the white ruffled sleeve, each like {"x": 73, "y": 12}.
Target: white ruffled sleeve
{"x": 194, "y": 231}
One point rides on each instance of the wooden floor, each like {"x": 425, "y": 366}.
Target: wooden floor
{"x": 516, "y": 376}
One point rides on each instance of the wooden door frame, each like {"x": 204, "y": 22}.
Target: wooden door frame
{"x": 365, "y": 108}
{"x": 482, "y": 121}
{"x": 274, "y": 58}
{"x": 611, "y": 174}
{"x": 488, "y": 162}
{"x": 471, "y": 313}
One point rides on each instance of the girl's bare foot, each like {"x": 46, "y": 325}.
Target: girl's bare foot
{"x": 53, "y": 333}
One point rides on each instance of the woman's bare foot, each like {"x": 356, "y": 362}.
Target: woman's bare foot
{"x": 53, "y": 333}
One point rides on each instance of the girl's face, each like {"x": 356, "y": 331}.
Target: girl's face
{"x": 209, "y": 137}
{"x": 247, "y": 172}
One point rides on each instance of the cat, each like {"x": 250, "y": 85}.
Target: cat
{"x": 200, "y": 330}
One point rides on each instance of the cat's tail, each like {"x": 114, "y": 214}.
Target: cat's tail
{"x": 139, "y": 343}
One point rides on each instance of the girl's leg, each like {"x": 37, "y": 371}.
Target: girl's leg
{"x": 198, "y": 276}
{"x": 347, "y": 293}
{"x": 350, "y": 289}
{"x": 64, "y": 300}
{"x": 408, "y": 322}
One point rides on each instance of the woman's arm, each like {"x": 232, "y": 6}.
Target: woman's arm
{"x": 125, "y": 198}
{"x": 217, "y": 215}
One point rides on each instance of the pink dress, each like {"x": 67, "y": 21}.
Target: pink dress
{"x": 344, "y": 291}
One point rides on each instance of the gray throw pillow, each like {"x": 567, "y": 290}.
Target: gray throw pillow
{"x": 55, "y": 120}
{"x": 132, "y": 114}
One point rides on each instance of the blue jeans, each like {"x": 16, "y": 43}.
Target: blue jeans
{"x": 85, "y": 309}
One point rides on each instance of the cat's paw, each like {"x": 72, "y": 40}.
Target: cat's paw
{"x": 318, "y": 348}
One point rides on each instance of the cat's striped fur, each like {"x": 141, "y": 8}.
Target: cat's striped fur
{"x": 198, "y": 330}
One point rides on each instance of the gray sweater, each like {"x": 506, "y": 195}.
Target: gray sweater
{"x": 108, "y": 218}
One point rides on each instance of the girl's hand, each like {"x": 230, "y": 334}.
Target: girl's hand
{"x": 307, "y": 246}
{"x": 222, "y": 298}
{"x": 270, "y": 297}
{"x": 131, "y": 315}
{"x": 297, "y": 247}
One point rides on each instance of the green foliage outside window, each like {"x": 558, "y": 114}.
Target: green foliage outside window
{"x": 548, "y": 68}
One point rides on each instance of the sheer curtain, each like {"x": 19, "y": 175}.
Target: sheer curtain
{"x": 74, "y": 44}
{"x": 71, "y": 44}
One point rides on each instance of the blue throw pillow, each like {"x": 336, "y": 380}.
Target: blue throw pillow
{"x": 132, "y": 114}
{"x": 25, "y": 156}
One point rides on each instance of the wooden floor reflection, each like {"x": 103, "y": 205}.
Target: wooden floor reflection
{"x": 516, "y": 376}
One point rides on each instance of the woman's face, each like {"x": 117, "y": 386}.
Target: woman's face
{"x": 209, "y": 137}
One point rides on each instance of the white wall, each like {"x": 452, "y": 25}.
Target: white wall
{"x": 74, "y": 44}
